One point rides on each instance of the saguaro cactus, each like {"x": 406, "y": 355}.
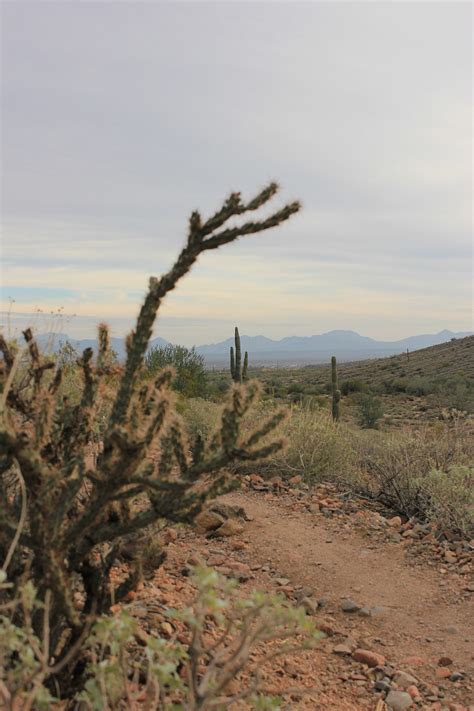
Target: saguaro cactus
{"x": 336, "y": 393}
{"x": 238, "y": 373}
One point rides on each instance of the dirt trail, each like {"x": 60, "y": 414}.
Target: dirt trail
{"x": 422, "y": 612}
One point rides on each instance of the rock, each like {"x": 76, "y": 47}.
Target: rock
{"x": 309, "y": 604}
{"x": 456, "y": 676}
{"x": 231, "y": 527}
{"x": 241, "y": 571}
{"x": 238, "y": 545}
{"x": 443, "y": 672}
{"x": 414, "y": 661}
{"x": 395, "y": 522}
{"x": 450, "y": 557}
{"x": 372, "y": 659}
{"x": 349, "y": 605}
{"x": 282, "y": 581}
{"x": 166, "y": 628}
{"x": 404, "y": 680}
{"x": 413, "y": 691}
{"x": 445, "y": 661}
{"x": 194, "y": 559}
{"x": 208, "y": 520}
{"x": 295, "y": 480}
{"x": 365, "y": 612}
{"x": 171, "y": 534}
{"x": 328, "y": 627}
{"x": 342, "y": 649}
{"x": 398, "y": 700}
{"x": 228, "y": 511}
{"x": 217, "y": 560}
{"x": 291, "y": 668}
{"x": 382, "y": 685}
{"x": 452, "y": 629}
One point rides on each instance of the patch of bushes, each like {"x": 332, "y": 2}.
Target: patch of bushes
{"x": 129, "y": 668}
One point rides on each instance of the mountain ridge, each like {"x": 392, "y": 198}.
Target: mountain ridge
{"x": 345, "y": 344}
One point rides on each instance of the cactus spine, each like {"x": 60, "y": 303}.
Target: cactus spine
{"x": 238, "y": 373}
{"x": 336, "y": 393}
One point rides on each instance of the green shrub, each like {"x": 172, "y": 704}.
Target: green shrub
{"x": 190, "y": 378}
{"x": 352, "y": 386}
{"x": 369, "y": 410}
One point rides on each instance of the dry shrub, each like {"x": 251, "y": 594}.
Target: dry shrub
{"x": 414, "y": 471}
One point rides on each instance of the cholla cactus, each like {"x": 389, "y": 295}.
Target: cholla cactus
{"x": 61, "y": 518}
{"x": 336, "y": 393}
{"x": 239, "y": 373}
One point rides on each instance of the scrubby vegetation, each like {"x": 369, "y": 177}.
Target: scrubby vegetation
{"x": 64, "y": 516}
{"x": 426, "y": 471}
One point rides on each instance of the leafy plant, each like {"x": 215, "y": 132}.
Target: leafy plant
{"x": 370, "y": 410}
{"x": 190, "y": 375}
{"x": 224, "y": 630}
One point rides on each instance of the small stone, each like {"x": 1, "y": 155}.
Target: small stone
{"x": 349, "y": 605}
{"x": 450, "y": 557}
{"x": 413, "y": 691}
{"x": 414, "y": 661}
{"x": 194, "y": 559}
{"x": 342, "y": 649}
{"x": 241, "y": 571}
{"x": 365, "y": 612}
{"x": 372, "y": 659}
{"x": 282, "y": 581}
{"x": 238, "y": 545}
{"x": 309, "y": 605}
{"x": 231, "y": 527}
{"x": 443, "y": 672}
{"x": 167, "y": 629}
{"x": 404, "y": 680}
{"x": 382, "y": 685}
{"x": 208, "y": 520}
{"x": 445, "y": 661}
{"x": 452, "y": 629}
{"x": 295, "y": 480}
{"x": 395, "y": 522}
{"x": 456, "y": 676}
{"x": 398, "y": 700}
{"x": 171, "y": 534}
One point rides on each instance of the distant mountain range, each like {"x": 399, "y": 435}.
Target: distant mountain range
{"x": 292, "y": 350}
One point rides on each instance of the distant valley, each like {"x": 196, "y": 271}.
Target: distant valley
{"x": 286, "y": 352}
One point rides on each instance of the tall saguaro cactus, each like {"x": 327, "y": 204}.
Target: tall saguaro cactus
{"x": 238, "y": 372}
{"x": 336, "y": 393}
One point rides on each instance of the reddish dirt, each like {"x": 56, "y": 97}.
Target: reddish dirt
{"x": 338, "y": 562}
{"x": 423, "y": 607}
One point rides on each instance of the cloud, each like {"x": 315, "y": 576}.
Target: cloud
{"x": 119, "y": 119}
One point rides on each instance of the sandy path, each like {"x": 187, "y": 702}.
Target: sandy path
{"x": 420, "y": 616}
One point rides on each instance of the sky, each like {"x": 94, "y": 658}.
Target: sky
{"x": 120, "y": 118}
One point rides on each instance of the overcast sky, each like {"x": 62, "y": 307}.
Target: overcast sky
{"x": 119, "y": 118}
